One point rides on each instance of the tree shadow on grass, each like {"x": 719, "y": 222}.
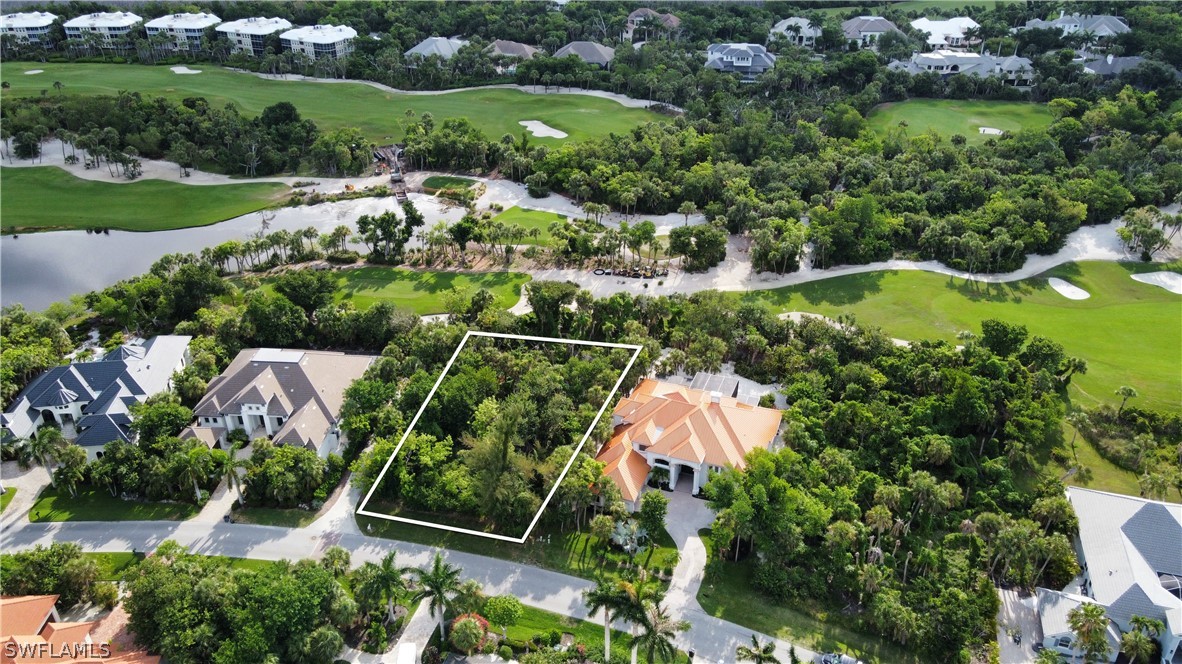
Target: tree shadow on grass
{"x": 979, "y": 291}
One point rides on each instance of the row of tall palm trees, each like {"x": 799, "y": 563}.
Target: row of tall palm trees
{"x": 638, "y": 602}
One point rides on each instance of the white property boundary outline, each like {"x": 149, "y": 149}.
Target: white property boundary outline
{"x": 463, "y": 342}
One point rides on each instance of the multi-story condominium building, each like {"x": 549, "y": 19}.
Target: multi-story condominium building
{"x": 185, "y": 30}
{"x": 320, "y": 41}
{"x": 32, "y": 27}
{"x": 248, "y": 34}
{"x": 110, "y": 26}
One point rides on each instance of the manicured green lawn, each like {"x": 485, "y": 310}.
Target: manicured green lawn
{"x": 99, "y": 505}
{"x": 1130, "y": 333}
{"x": 112, "y": 565}
{"x": 381, "y": 115}
{"x": 529, "y": 220}
{"x": 271, "y": 516}
{"x": 569, "y": 552}
{"x": 730, "y": 595}
{"x": 1106, "y": 476}
{"x": 422, "y": 291}
{"x": 447, "y": 182}
{"x": 45, "y": 198}
{"x": 536, "y": 621}
{"x": 954, "y": 116}
{"x": 7, "y": 497}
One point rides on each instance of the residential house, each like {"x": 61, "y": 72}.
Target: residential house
{"x": 1057, "y": 635}
{"x": 1101, "y": 25}
{"x": 91, "y": 401}
{"x": 750, "y": 60}
{"x": 110, "y": 27}
{"x": 444, "y": 47}
{"x": 31, "y": 27}
{"x": 948, "y": 34}
{"x": 31, "y": 630}
{"x": 1112, "y": 66}
{"x": 320, "y": 41}
{"x": 796, "y": 31}
{"x": 293, "y": 397}
{"x": 1012, "y": 70}
{"x": 683, "y": 431}
{"x": 865, "y": 31}
{"x": 248, "y": 35}
{"x": 185, "y": 30}
{"x": 512, "y": 52}
{"x": 1130, "y": 552}
{"x": 644, "y": 18}
{"x": 589, "y": 52}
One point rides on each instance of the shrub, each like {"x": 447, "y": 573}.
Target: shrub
{"x": 505, "y": 653}
{"x": 343, "y": 257}
{"x": 105, "y": 595}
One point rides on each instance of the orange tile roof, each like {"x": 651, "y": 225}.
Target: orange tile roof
{"x": 686, "y": 425}
{"x": 626, "y": 467}
{"x": 25, "y": 615}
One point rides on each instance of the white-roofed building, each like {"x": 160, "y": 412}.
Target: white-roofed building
{"x": 110, "y": 26}
{"x": 796, "y": 31}
{"x": 1101, "y": 25}
{"x": 248, "y": 34}
{"x": 320, "y": 41}
{"x": 1012, "y": 70}
{"x": 32, "y": 27}
{"x": 1053, "y": 610}
{"x": 185, "y": 30}
{"x": 444, "y": 47}
{"x": 947, "y": 34}
{"x": 1130, "y": 550}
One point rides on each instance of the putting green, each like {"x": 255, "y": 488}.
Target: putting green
{"x": 381, "y": 115}
{"x": 954, "y": 116}
{"x": 529, "y": 220}
{"x": 47, "y": 198}
{"x": 1130, "y": 333}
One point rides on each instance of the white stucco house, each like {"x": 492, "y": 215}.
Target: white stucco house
{"x": 292, "y": 397}
{"x": 796, "y": 31}
{"x": 688, "y": 433}
{"x": 947, "y": 34}
{"x": 1130, "y": 550}
{"x": 91, "y": 401}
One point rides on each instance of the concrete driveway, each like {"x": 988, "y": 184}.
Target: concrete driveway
{"x": 1018, "y": 614}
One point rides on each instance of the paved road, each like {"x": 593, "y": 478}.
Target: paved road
{"x": 713, "y": 639}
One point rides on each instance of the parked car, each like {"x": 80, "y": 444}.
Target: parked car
{"x": 837, "y": 658}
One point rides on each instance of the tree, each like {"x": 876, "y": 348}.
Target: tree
{"x": 653, "y": 508}
{"x": 323, "y": 645}
{"x": 437, "y": 585}
{"x": 336, "y": 560}
{"x": 1138, "y": 646}
{"x": 686, "y": 209}
{"x": 390, "y": 577}
{"x": 467, "y": 632}
{"x": 307, "y": 289}
{"x": 1089, "y": 623}
{"x": 503, "y": 610}
{"x": 1125, "y": 393}
{"x": 72, "y": 470}
{"x": 194, "y": 467}
{"x": 605, "y": 596}
{"x": 45, "y": 446}
{"x": 229, "y": 470}
{"x": 760, "y": 653}
{"x": 657, "y": 632}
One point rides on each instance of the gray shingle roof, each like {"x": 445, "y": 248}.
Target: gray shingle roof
{"x": 855, "y": 27}
{"x": 1113, "y": 65}
{"x": 1157, "y": 535}
{"x": 512, "y": 49}
{"x": 590, "y": 52}
{"x": 743, "y": 58}
{"x": 444, "y": 47}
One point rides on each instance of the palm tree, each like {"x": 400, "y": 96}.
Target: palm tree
{"x": 194, "y": 467}
{"x": 336, "y": 560}
{"x": 1090, "y": 624}
{"x": 659, "y": 630}
{"x": 393, "y": 583}
{"x": 72, "y": 469}
{"x": 45, "y": 447}
{"x": 436, "y": 584}
{"x": 229, "y": 472}
{"x": 1078, "y": 421}
{"x": 1125, "y": 393}
{"x": 324, "y": 644}
{"x": 604, "y": 596}
{"x": 1138, "y": 646}
{"x": 635, "y": 598}
{"x": 760, "y": 653}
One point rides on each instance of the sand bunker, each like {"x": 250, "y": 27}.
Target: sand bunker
{"x": 184, "y": 70}
{"x": 1068, "y": 290}
{"x": 1171, "y": 281}
{"x": 34, "y": 71}
{"x": 992, "y": 131}
{"x": 542, "y": 129}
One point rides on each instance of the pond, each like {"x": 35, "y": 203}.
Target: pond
{"x": 38, "y": 269}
